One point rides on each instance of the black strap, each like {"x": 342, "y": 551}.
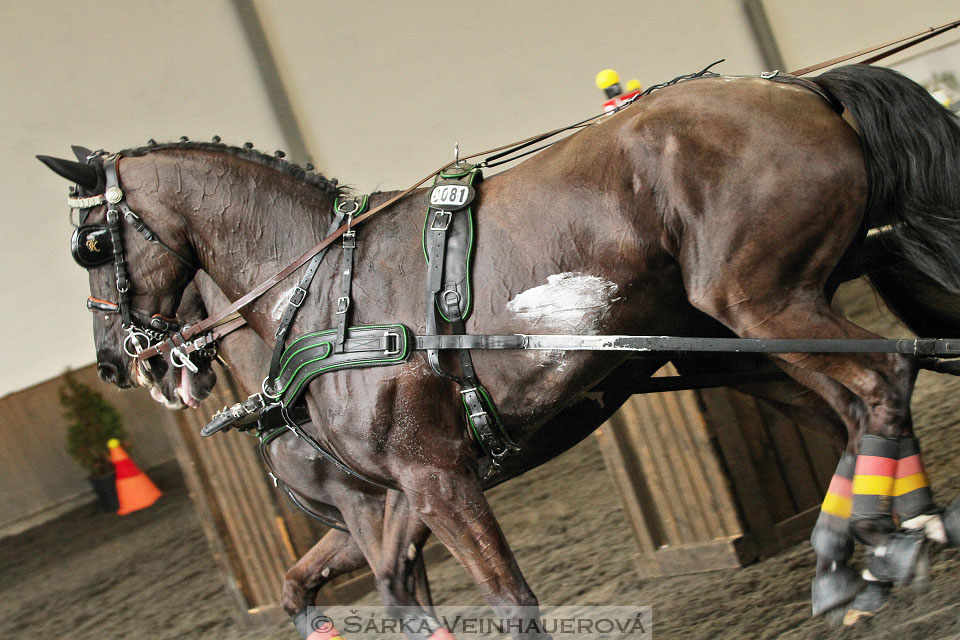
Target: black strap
{"x": 316, "y": 446}
{"x": 298, "y": 296}
{"x": 349, "y": 240}
{"x": 278, "y": 482}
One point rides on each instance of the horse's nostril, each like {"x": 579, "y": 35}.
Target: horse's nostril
{"x": 107, "y": 372}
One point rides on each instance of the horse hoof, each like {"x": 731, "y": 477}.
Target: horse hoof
{"x": 867, "y": 603}
{"x": 951, "y": 522}
{"x": 833, "y": 589}
{"x": 835, "y": 617}
{"x": 921, "y": 573}
{"x": 313, "y": 625}
{"x": 897, "y": 561}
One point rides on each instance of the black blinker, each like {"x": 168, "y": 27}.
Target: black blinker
{"x": 90, "y": 245}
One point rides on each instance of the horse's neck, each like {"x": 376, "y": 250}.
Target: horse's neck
{"x": 247, "y": 222}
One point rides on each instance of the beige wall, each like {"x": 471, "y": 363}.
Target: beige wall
{"x": 379, "y": 102}
{"x": 385, "y": 89}
{"x": 809, "y": 31}
{"x": 110, "y": 74}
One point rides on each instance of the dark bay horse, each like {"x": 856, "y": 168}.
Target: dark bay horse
{"x": 734, "y": 198}
{"x": 328, "y": 490}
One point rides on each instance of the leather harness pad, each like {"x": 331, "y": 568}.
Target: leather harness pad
{"x": 314, "y": 354}
{"x": 91, "y": 245}
{"x": 455, "y": 227}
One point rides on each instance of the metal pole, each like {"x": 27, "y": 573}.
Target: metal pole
{"x": 763, "y": 35}
{"x": 277, "y": 93}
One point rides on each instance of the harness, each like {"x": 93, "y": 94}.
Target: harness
{"x": 93, "y": 245}
{"x": 448, "y": 243}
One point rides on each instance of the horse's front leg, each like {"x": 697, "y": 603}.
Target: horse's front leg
{"x": 334, "y": 555}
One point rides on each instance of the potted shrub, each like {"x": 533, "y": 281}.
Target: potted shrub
{"x": 91, "y": 422}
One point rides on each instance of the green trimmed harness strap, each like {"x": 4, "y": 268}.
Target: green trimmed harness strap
{"x": 313, "y": 354}
{"x": 448, "y": 239}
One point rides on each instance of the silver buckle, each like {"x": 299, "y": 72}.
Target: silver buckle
{"x": 451, "y": 298}
{"x": 298, "y": 295}
{"x": 388, "y": 351}
{"x": 179, "y": 360}
{"x": 349, "y": 239}
{"x": 441, "y": 221}
{"x": 356, "y": 206}
{"x": 343, "y": 304}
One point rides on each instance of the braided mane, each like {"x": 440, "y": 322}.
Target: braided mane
{"x": 312, "y": 178}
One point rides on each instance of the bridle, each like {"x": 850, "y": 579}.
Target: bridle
{"x": 96, "y": 245}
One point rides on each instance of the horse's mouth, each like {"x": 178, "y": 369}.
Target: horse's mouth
{"x": 185, "y": 389}
{"x": 182, "y": 396}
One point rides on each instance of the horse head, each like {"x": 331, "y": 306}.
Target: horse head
{"x": 133, "y": 243}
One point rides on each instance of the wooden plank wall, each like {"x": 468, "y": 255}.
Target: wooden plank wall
{"x": 254, "y": 532}
{"x": 713, "y": 478}
{"x": 38, "y": 480}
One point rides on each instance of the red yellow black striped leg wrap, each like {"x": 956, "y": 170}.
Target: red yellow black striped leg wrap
{"x": 912, "y": 499}
{"x": 830, "y": 537}
{"x": 911, "y": 491}
{"x": 871, "y": 514}
{"x": 835, "y": 584}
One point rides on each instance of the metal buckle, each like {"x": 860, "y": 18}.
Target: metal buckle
{"x": 297, "y": 296}
{"x": 343, "y": 304}
{"x": 464, "y": 392}
{"x": 441, "y": 221}
{"x": 356, "y": 206}
{"x": 267, "y": 394}
{"x": 135, "y": 342}
{"x": 396, "y": 337}
{"x": 179, "y": 360}
{"x": 451, "y": 301}
{"x": 349, "y": 239}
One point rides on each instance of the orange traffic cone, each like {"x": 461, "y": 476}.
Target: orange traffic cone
{"x": 134, "y": 489}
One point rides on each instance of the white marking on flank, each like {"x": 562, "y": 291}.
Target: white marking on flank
{"x": 568, "y": 302}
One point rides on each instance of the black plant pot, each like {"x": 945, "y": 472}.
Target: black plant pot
{"x": 105, "y": 487}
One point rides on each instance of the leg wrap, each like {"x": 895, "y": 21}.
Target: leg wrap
{"x": 911, "y": 492}
{"x": 423, "y": 626}
{"x": 873, "y": 483}
{"x": 830, "y": 537}
{"x": 835, "y": 584}
{"x": 951, "y": 521}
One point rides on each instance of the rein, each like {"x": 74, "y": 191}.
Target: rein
{"x": 180, "y": 338}
{"x": 908, "y": 41}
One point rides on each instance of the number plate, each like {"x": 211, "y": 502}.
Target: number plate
{"x": 450, "y": 196}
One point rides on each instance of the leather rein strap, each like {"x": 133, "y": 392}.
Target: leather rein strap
{"x": 203, "y": 326}
{"x": 908, "y": 41}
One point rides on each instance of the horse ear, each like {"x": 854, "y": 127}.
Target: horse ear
{"x": 84, "y": 175}
{"x": 82, "y": 153}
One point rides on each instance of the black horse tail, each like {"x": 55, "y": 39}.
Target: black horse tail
{"x": 911, "y": 146}
{"x": 922, "y": 304}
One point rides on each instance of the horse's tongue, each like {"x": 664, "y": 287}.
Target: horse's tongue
{"x": 186, "y": 393}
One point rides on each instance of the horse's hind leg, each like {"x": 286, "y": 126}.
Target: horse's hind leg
{"x": 870, "y": 392}
{"x": 836, "y": 582}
